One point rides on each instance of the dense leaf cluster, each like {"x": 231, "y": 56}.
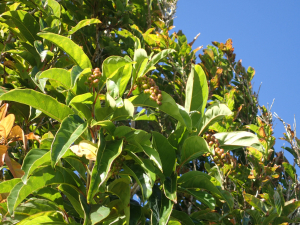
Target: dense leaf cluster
{"x": 118, "y": 124}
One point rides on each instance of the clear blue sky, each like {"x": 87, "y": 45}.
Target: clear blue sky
{"x": 266, "y": 36}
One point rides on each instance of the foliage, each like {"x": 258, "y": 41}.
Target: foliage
{"x": 124, "y": 127}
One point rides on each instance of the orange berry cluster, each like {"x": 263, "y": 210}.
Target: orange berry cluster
{"x": 93, "y": 79}
{"x": 149, "y": 86}
{"x": 220, "y": 158}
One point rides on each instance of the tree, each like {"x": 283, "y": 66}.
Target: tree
{"x": 116, "y": 124}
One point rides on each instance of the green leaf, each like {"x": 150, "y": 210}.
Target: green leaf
{"x": 196, "y": 90}
{"x": 170, "y": 187}
{"x": 78, "y": 166}
{"x": 141, "y": 59}
{"x": 193, "y": 147}
{"x": 154, "y": 156}
{"x": 142, "y": 179}
{"x": 73, "y": 197}
{"x": 7, "y": 186}
{"x": 106, "y": 154}
{"x": 106, "y": 124}
{"x": 201, "y": 196}
{"x": 112, "y": 64}
{"x": 43, "y": 217}
{"x": 123, "y": 113}
{"x": 82, "y": 24}
{"x": 68, "y": 46}
{"x": 197, "y": 179}
{"x": 116, "y": 84}
{"x": 99, "y": 213}
{"x": 278, "y": 203}
{"x": 40, "y": 50}
{"x": 233, "y": 140}
{"x": 42, "y": 102}
{"x": 121, "y": 188}
{"x": 182, "y": 217}
{"x": 69, "y": 131}
{"x": 168, "y": 106}
{"x": 213, "y": 114}
{"x": 156, "y": 58}
{"x": 290, "y": 170}
{"x": 61, "y": 75}
{"x": 33, "y": 159}
{"x": 256, "y": 203}
{"x": 26, "y": 24}
{"x": 86, "y": 98}
{"x": 51, "y": 194}
{"x": 44, "y": 177}
{"x": 165, "y": 151}
{"x": 290, "y": 208}
{"x": 206, "y": 215}
{"x": 165, "y": 210}
{"x": 55, "y": 6}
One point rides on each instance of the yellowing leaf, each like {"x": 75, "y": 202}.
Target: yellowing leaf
{"x": 32, "y": 136}
{"x": 16, "y": 133}
{"x": 2, "y": 134}
{"x": 262, "y": 132}
{"x": 86, "y": 148}
{"x": 3, "y": 150}
{"x": 14, "y": 167}
{"x": 3, "y": 110}
{"x": 8, "y": 123}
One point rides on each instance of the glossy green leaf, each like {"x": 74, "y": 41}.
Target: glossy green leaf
{"x": 141, "y": 59}
{"x": 196, "y": 90}
{"x": 43, "y": 177}
{"x": 154, "y": 156}
{"x": 166, "y": 152}
{"x": 55, "y": 6}
{"x": 233, "y": 140}
{"x": 156, "y": 58}
{"x": 165, "y": 210}
{"x": 206, "y": 215}
{"x": 98, "y": 214}
{"x": 290, "y": 208}
{"x": 26, "y": 55}
{"x": 73, "y": 197}
{"x": 51, "y": 194}
{"x": 7, "y": 186}
{"x": 61, "y": 75}
{"x": 69, "y": 131}
{"x": 82, "y": 24}
{"x": 43, "y": 217}
{"x": 142, "y": 179}
{"x": 106, "y": 124}
{"x": 256, "y": 203}
{"x": 121, "y": 188}
{"x": 40, "y": 50}
{"x": 42, "y": 102}
{"x": 124, "y": 112}
{"x": 213, "y": 114}
{"x": 112, "y": 64}
{"x": 168, "y": 106}
{"x": 170, "y": 187}
{"x": 182, "y": 217}
{"x": 197, "y": 179}
{"x": 290, "y": 170}
{"x": 106, "y": 154}
{"x": 201, "y": 196}
{"x": 193, "y": 147}
{"x": 68, "y": 46}
{"x": 26, "y": 24}
{"x": 78, "y": 166}
{"x": 33, "y": 159}
{"x": 116, "y": 84}
{"x": 86, "y": 98}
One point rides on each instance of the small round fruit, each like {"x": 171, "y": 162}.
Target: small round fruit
{"x": 159, "y": 97}
{"x": 152, "y": 98}
{"x": 158, "y": 102}
{"x": 153, "y": 94}
{"x": 147, "y": 91}
{"x": 221, "y": 151}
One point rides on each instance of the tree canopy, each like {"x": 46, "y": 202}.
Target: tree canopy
{"x": 106, "y": 118}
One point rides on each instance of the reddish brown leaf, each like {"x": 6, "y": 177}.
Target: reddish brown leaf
{"x": 14, "y": 167}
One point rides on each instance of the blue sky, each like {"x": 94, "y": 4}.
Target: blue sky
{"x": 266, "y": 36}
